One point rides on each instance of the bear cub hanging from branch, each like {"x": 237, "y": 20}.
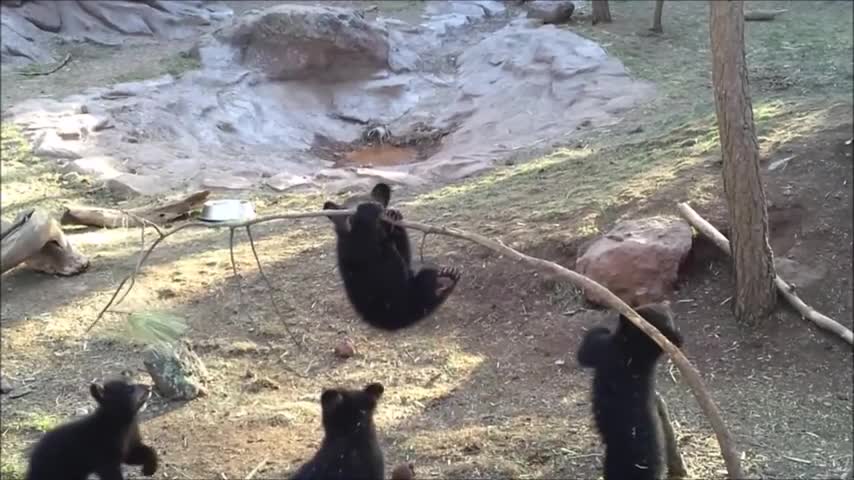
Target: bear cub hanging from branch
{"x": 350, "y": 449}
{"x": 624, "y": 406}
{"x": 99, "y": 443}
{"x": 375, "y": 261}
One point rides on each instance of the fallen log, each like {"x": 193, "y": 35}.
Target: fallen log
{"x": 135, "y": 217}
{"x": 36, "y": 239}
{"x": 784, "y": 288}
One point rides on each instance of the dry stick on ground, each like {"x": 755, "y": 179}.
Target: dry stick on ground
{"x": 692, "y": 376}
{"x": 256, "y": 469}
{"x": 56, "y": 68}
{"x": 787, "y": 291}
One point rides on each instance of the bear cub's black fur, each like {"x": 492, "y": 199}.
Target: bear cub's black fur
{"x": 350, "y": 449}
{"x": 624, "y": 404}
{"x": 375, "y": 261}
{"x": 99, "y": 443}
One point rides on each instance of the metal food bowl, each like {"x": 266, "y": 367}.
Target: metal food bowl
{"x": 227, "y": 210}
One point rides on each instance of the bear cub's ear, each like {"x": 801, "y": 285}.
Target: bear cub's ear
{"x": 375, "y": 390}
{"x": 330, "y": 399}
{"x": 97, "y": 392}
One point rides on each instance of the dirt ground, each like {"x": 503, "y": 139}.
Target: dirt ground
{"x": 489, "y": 386}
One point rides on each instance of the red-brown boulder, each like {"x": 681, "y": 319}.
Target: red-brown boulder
{"x": 638, "y": 260}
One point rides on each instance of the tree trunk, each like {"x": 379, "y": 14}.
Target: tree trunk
{"x": 601, "y": 12}
{"x": 656, "y": 18}
{"x": 753, "y": 261}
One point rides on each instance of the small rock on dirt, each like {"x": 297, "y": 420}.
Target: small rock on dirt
{"x": 550, "y": 11}
{"x": 178, "y": 373}
{"x": 345, "y": 348}
{"x": 5, "y": 386}
{"x": 404, "y": 471}
{"x": 638, "y": 260}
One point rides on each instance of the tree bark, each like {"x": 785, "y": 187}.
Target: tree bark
{"x": 753, "y": 261}
{"x": 656, "y": 18}
{"x": 601, "y": 12}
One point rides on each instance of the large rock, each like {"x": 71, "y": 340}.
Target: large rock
{"x": 103, "y": 22}
{"x": 638, "y": 260}
{"x": 293, "y": 42}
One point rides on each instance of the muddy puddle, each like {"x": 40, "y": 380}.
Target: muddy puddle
{"x": 378, "y": 156}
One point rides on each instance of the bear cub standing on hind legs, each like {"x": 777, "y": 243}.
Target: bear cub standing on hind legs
{"x": 99, "y": 443}
{"x": 375, "y": 261}
{"x": 624, "y": 404}
{"x": 350, "y": 449}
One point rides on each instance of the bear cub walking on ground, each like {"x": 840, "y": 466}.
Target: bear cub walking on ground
{"x": 375, "y": 261}
{"x": 99, "y": 443}
{"x": 624, "y": 405}
{"x": 350, "y": 449}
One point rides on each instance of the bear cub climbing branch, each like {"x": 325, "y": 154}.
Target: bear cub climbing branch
{"x": 375, "y": 262}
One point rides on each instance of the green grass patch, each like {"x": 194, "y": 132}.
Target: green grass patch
{"x": 803, "y": 55}
{"x": 175, "y": 65}
{"x": 12, "y": 465}
{"x": 34, "y": 422}
{"x": 799, "y": 65}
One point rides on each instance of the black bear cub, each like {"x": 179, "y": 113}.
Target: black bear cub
{"x": 375, "y": 262}
{"x": 350, "y": 449}
{"x": 624, "y": 394}
{"x": 99, "y": 443}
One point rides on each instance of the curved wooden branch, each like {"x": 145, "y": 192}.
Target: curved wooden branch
{"x": 690, "y": 373}
{"x": 787, "y": 291}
